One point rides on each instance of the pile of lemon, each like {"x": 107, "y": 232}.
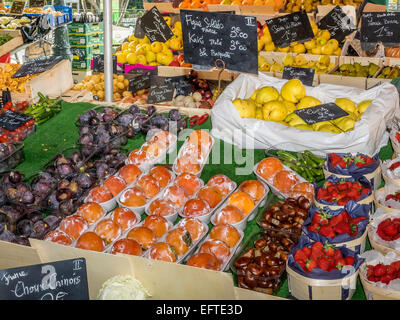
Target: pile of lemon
{"x": 320, "y": 44}
{"x": 141, "y": 51}
{"x": 95, "y": 84}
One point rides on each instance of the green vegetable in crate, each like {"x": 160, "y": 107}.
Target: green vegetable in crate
{"x": 43, "y": 110}
{"x": 4, "y": 39}
{"x": 306, "y": 164}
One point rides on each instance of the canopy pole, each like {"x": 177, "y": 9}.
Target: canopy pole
{"x": 108, "y": 63}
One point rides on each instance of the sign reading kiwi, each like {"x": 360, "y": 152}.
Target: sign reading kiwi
{"x": 322, "y": 112}
{"x": 161, "y": 93}
{"x": 293, "y": 27}
{"x": 337, "y": 23}
{"x": 155, "y": 27}
{"x": 38, "y": 65}
{"x": 17, "y": 7}
{"x": 36, "y": 3}
{"x": 208, "y": 36}
{"x": 60, "y": 280}
{"x": 98, "y": 63}
{"x": 139, "y": 83}
{"x": 305, "y": 75}
{"x": 12, "y": 120}
{"x": 380, "y": 27}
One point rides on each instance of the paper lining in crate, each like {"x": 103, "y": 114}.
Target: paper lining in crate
{"x": 378, "y": 290}
{"x": 364, "y": 199}
{"x": 380, "y": 194}
{"x": 389, "y": 173}
{"x": 371, "y": 172}
{"x": 355, "y": 243}
{"x": 319, "y": 284}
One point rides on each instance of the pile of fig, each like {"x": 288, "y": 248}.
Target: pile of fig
{"x": 201, "y": 86}
{"x": 288, "y": 216}
{"x": 6, "y": 149}
{"x": 93, "y": 118}
{"x": 262, "y": 268}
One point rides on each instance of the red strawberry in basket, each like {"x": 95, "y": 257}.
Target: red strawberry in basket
{"x": 357, "y": 220}
{"x": 313, "y": 228}
{"x": 349, "y": 260}
{"x": 327, "y": 231}
{"x": 310, "y": 265}
{"x": 337, "y": 160}
{"x": 338, "y": 255}
{"x": 306, "y": 251}
{"x": 321, "y": 218}
{"x": 329, "y": 250}
{"x": 342, "y": 227}
{"x": 324, "y": 264}
{"x": 397, "y": 136}
{"x": 379, "y": 270}
{"x": 340, "y": 263}
{"x": 300, "y": 256}
{"x": 354, "y": 230}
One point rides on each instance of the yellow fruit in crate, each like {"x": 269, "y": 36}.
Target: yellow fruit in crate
{"x": 98, "y": 87}
{"x": 310, "y": 44}
{"x": 144, "y": 40}
{"x": 316, "y": 50}
{"x": 160, "y": 57}
{"x": 293, "y": 91}
{"x": 140, "y": 50}
{"x": 132, "y": 38}
{"x": 254, "y": 95}
{"x": 276, "y": 67}
{"x": 324, "y": 60}
{"x": 288, "y": 60}
{"x": 167, "y": 20}
{"x": 154, "y": 63}
{"x": 285, "y": 49}
{"x": 299, "y": 48}
{"x": 303, "y": 126}
{"x": 269, "y": 46}
{"x": 127, "y": 94}
{"x": 338, "y": 52}
{"x": 132, "y": 45}
{"x": 246, "y": 108}
{"x": 294, "y": 120}
{"x": 308, "y": 102}
{"x": 333, "y": 43}
{"x": 117, "y": 96}
{"x": 300, "y": 60}
{"x": 265, "y": 38}
{"x": 168, "y": 53}
{"x": 363, "y": 105}
{"x": 120, "y": 85}
{"x": 324, "y": 34}
{"x": 329, "y": 128}
{"x": 346, "y": 123}
{"x": 327, "y": 49}
{"x": 274, "y": 111}
{"x": 125, "y": 46}
{"x": 260, "y": 45}
{"x": 150, "y": 56}
{"x": 259, "y": 114}
{"x": 178, "y": 25}
{"x": 314, "y": 27}
{"x": 156, "y": 47}
{"x": 126, "y": 83}
{"x": 168, "y": 60}
{"x": 346, "y": 104}
{"x": 175, "y": 43}
{"x": 317, "y": 125}
{"x": 141, "y": 59}
{"x": 266, "y": 94}
{"x": 290, "y": 107}
{"x": 131, "y": 58}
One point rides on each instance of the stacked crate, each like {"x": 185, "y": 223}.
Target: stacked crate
{"x": 85, "y": 39}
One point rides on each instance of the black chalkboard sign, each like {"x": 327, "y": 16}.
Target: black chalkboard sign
{"x": 139, "y": 33}
{"x": 139, "y": 83}
{"x": 181, "y": 84}
{"x": 17, "y": 7}
{"x": 337, "y": 23}
{"x": 36, "y": 3}
{"x": 323, "y": 112}
{"x": 161, "y": 93}
{"x": 305, "y": 75}
{"x": 60, "y": 280}
{"x": 12, "y": 120}
{"x": 98, "y": 63}
{"x": 290, "y": 28}
{"x": 380, "y": 27}
{"x": 208, "y": 36}
{"x": 155, "y": 27}
{"x": 153, "y": 71}
{"x": 37, "y": 66}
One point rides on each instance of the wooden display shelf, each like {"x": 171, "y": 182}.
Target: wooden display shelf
{"x": 14, "y": 43}
{"x": 165, "y": 71}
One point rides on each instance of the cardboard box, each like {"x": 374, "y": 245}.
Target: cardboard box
{"x": 81, "y": 53}
{"x": 82, "y": 64}
{"x": 85, "y": 28}
{"x": 85, "y": 40}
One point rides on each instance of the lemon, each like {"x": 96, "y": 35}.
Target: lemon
{"x": 131, "y": 58}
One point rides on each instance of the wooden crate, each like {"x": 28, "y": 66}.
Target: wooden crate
{"x": 14, "y": 43}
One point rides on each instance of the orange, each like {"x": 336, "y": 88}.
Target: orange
{"x": 195, "y": 208}
{"x": 162, "y": 251}
{"x": 144, "y": 236}
{"x": 189, "y": 183}
{"x": 129, "y": 173}
{"x": 268, "y": 167}
{"x": 285, "y": 180}
{"x": 162, "y": 175}
{"x": 115, "y": 185}
{"x": 241, "y": 200}
{"x": 253, "y": 188}
{"x": 133, "y": 197}
{"x": 59, "y": 237}
{"x": 225, "y": 233}
{"x": 211, "y": 195}
{"x": 229, "y": 215}
{"x": 90, "y": 241}
{"x": 108, "y": 230}
{"x": 194, "y": 226}
{"x": 222, "y": 183}
{"x": 149, "y": 185}
{"x": 127, "y": 246}
{"x": 218, "y": 248}
{"x": 138, "y": 157}
{"x": 73, "y": 226}
{"x": 90, "y": 211}
{"x": 157, "y": 224}
{"x": 176, "y": 195}
{"x": 184, "y": 5}
{"x": 100, "y": 195}
{"x": 179, "y": 239}
{"x": 204, "y": 260}
{"x": 124, "y": 217}
{"x": 161, "y": 207}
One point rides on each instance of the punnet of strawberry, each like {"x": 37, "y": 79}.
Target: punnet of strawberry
{"x": 322, "y": 261}
{"x": 339, "y": 192}
{"x": 336, "y": 226}
{"x": 382, "y": 270}
{"x": 391, "y": 168}
{"x": 355, "y": 165}
{"x": 385, "y": 229}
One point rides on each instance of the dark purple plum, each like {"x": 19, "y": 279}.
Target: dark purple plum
{"x": 102, "y": 170}
{"x": 126, "y": 119}
{"x": 8, "y": 236}
{"x": 84, "y": 180}
{"x": 27, "y": 197}
{"x": 174, "y": 115}
{"x": 64, "y": 170}
{"x": 25, "y": 227}
{"x": 34, "y": 216}
{"x": 86, "y": 139}
{"x": 133, "y": 109}
{"x": 53, "y": 221}
{"x": 95, "y": 121}
{"x": 107, "y": 117}
{"x": 151, "y": 110}
{"x": 40, "y": 228}
{"x": 63, "y": 194}
{"x": 14, "y": 177}
{"x": 52, "y": 202}
{"x": 12, "y": 194}
{"x": 21, "y": 241}
{"x": 84, "y": 130}
{"x": 67, "y": 207}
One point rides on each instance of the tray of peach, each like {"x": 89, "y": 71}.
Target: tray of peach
{"x": 283, "y": 181}
{"x": 194, "y": 153}
{"x": 217, "y": 249}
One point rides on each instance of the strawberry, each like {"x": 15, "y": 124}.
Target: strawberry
{"x": 372, "y": 278}
{"x": 396, "y": 265}
{"x": 310, "y": 265}
{"x": 370, "y": 270}
{"x": 313, "y": 228}
{"x": 338, "y": 255}
{"x": 398, "y": 137}
{"x": 317, "y": 246}
{"x": 327, "y": 231}
{"x": 394, "y": 166}
{"x": 385, "y": 279}
{"x": 324, "y": 264}
{"x": 343, "y": 201}
{"x": 365, "y": 191}
{"x": 390, "y": 196}
{"x": 391, "y": 230}
{"x": 329, "y": 250}
{"x": 379, "y": 270}
{"x": 335, "y": 220}
{"x": 306, "y": 251}
{"x": 397, "y": 196}
{"x": 340, "y": 264}
{"x": 390, "y": 270}
{"x": 354, "y": 230}
{"x": 302, "y": 264}
{"x": 300, "y": 256}
{"x": 349, "y": 260}
{"x": 321, "y": 218}
{"x": 342, "y": 186}
{"x": 342, "y": 227}
{"x": 346, "y": 216}
{"x": 357, "y": 220}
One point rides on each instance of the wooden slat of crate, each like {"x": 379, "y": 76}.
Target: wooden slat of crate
{"x": 165, "y": 71}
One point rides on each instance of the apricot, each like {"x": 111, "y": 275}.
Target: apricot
{"x": 162, "y": 251}
{"x": 162, "y": 175}
{"x": 195, "y": 208}
{"x": 143, "y": 235}
{"x": 201, "y": 138}
{"x": 90, "y": 241}
{"x": 268, "y": 167}
{"x": 229, "y": 215}
{"x": 133, "y": 197}
{"x": 189, "y": 183}
{"x": 179, "y": 239}
{"x": 157, "y": 224}
{"x": 108, "y": 230}
{"x": 138, "y": 157}
{"x": 211, "y": 195}
{"x": 242, "y": 201}
{"x": 149, "y": 186}
{"x": 115, "y": 185}
{"x": 190, "y": 165}
{"x": 129, "y": 173}
{"x": 176, "y": 195}
{"x": 100, "y": 195}
{"x": 194, "y": 226}
{"x": 125, "y": 217}
{"x": 226, "y": 233}
{"x": 285, "y": 180}
{"x": 304, "y": 187}
{"x": 90, "y": 211}
{"x": 204, "y": 260}
{"x": 59, "y": 237}
{"x": 127, "y": 246}
{"x": 216, "y": 247}
{"x": 254, "y": 188}
{"x": 222, "y": 183}
{"x": 161, "y": 207}
{"x": 73, "y": 226}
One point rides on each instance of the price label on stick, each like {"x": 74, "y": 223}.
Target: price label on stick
{"x": 380, "y": 27}
{"x": 290, "y": 28}
{"x": 61, "y": 280}
{"x": 17, "y": 7}
{"x": 155, "y": 27}
{"x": 337, "y": 23}
{"x": 305, "y": 75}
{"x": 12, "y": 120}
{"x": 208, "y": 36}
{"x": 161, "y": 93}
{"x": 139, "y": 83}
{"x": 322, "y": 112}
{"x": 36, "y": 3}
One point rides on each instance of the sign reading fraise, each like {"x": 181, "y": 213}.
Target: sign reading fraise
{"x": 208, "y": 36}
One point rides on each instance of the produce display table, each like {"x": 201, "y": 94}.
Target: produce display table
{"x": 60, "y": 133}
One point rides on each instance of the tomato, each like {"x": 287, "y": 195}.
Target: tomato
{"x": 4, "y": 138}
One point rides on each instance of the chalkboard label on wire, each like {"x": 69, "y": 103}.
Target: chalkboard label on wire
{"x": 17, "y": 7}
{"x": 305, "y": 75}
{"x": 380, "y": 27}
{"x": 139, "y": 83}
{"x": 98, "y": 63}
{"x": 181, "y": 84}
{"x": 290, "y": 28}
{"x": 61, "y": 280}
{"x": 161, "y": 93}
{"x": 337, "y": 23}
{"x": 12, "y": 120}
{"x": 155, "y": 27}
{"x": 139, "y": 33}
{"x": 208, "y": 36}
{"x": 38, "y": 65}
{"x": 322, "y": 112}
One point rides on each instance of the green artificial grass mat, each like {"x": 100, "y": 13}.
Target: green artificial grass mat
{"x": 60, "y": 132}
